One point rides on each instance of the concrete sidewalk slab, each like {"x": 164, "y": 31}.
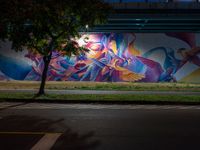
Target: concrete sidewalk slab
{"x": 100, "y": 92}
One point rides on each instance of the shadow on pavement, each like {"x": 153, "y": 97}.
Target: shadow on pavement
{"x": 18, "y": 132}
{"x": 72, "y": 141}
{"x": 12, "y": 106}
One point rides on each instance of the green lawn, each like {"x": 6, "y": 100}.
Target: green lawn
{"x": 129, "y": 86}
{"x": 103, "y": 98}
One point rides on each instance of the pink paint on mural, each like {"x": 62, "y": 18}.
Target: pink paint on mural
{"x": 112, "y": 57}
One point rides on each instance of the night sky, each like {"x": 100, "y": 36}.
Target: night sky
{"x": 115, "y": 1}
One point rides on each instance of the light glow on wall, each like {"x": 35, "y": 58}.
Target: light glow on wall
{"x": 114, "y": 57}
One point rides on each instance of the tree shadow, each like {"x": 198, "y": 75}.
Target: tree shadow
{"x": 73, "y": 141}
{"x": 69, "y": 140}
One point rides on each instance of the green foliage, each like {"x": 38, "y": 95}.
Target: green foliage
{"x": 46, "y": 25}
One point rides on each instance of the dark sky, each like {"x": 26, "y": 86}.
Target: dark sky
{"x": 111, "y": 1}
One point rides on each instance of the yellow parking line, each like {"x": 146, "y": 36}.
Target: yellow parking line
{"x": 32, "y": 133}
{"x": 46, "y": 142}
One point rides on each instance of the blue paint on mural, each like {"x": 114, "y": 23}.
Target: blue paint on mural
{"x": 114, "y": 57}
{"x": 13, "y": 68}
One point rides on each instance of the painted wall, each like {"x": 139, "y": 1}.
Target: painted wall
{"x": 141, "y": 57}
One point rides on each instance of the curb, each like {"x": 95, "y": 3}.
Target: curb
{"x": 124, "y": 102}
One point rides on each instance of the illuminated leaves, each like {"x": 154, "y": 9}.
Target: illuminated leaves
{"x": 47, "y": 25}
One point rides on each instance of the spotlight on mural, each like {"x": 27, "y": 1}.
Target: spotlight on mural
{"x": 113, "y": 57}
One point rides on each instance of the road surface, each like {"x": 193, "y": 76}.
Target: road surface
{"x": 34, "y": 126}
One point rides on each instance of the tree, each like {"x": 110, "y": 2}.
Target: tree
{"x": 47, "y": 25}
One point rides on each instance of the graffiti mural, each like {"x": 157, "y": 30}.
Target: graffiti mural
{"x": 113, "y": 57}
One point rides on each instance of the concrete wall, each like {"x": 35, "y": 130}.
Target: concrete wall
{"x": 113, "y": 57}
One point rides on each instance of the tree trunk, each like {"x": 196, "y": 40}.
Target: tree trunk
{"x": 46, "y": 60}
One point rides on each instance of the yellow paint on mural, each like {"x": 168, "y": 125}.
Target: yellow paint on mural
{"x": 114, "y": 46}
{"x": 194, "y": 77}
{"x": 134, "y": 51}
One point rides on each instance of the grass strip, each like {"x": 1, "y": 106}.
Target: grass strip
{"x": 125, "y": 86}
{"x": 103, "y": 98}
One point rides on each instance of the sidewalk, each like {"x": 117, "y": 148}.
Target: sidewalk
{"x": 100, "y": 92}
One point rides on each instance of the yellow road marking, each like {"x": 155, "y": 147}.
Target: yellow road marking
{"x": 32, "y": 133}
{"x": 46, "y": 142}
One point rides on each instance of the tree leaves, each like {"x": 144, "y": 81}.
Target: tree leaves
{"x": 46, "y": 25}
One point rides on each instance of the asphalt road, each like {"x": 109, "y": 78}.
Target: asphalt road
{"x": 33, "y": 126}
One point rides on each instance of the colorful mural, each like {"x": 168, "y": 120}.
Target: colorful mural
{"x": 112, "y": 57}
